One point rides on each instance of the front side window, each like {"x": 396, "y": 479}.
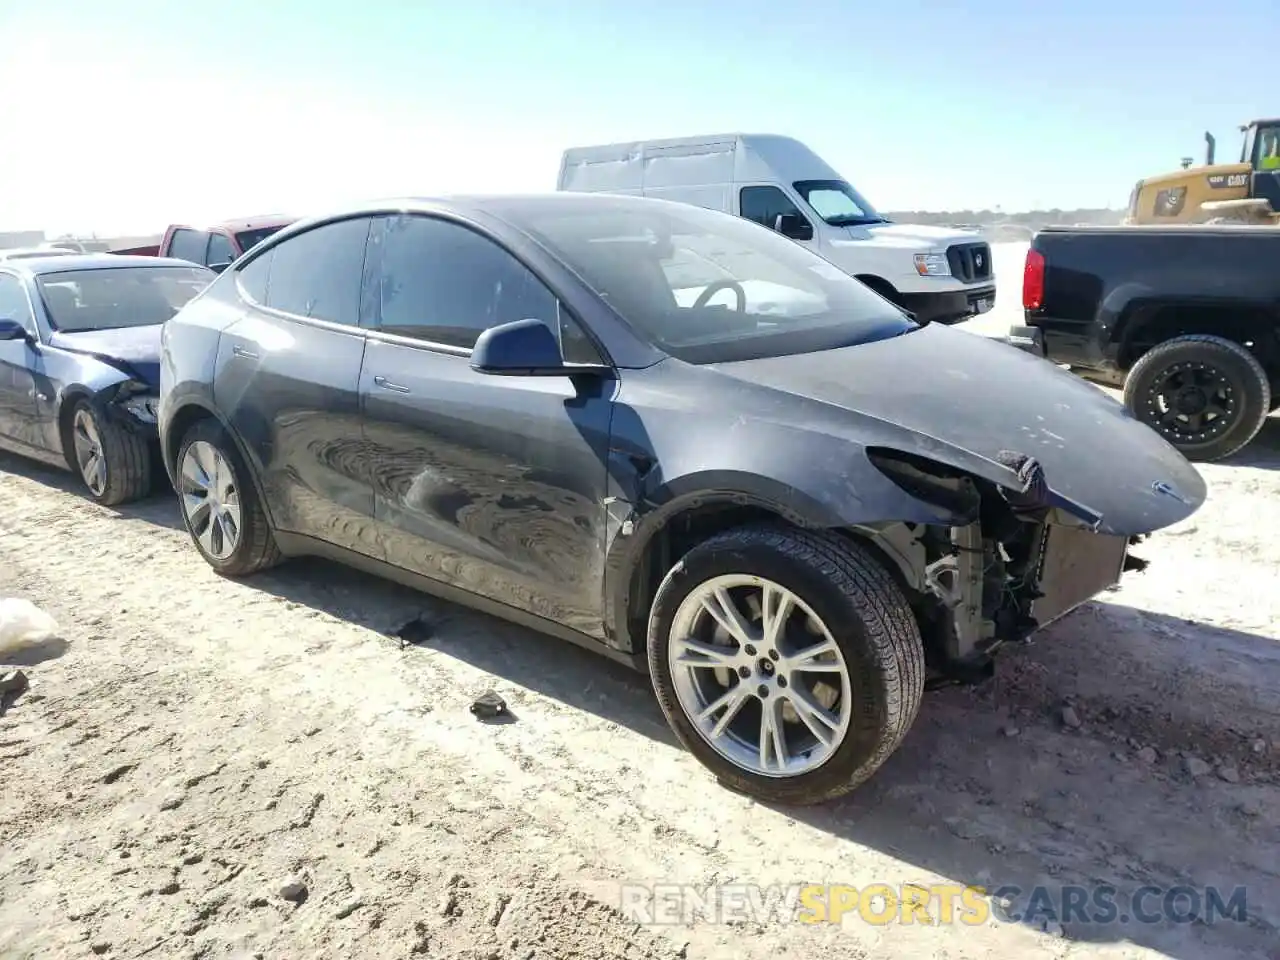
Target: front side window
{"x": 189, "y": 245}
{"x": 14, "y": 304}
{"x": 764, "y": 205}
{"x": 446, "y": 284}
{"x": 837, "y": 203}
{"x": 106, "y": 299}
{"x": 314, "y": 274}
{"x": 708, "y": 287}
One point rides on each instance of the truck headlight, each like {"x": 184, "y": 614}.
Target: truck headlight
{"x": 932, "y": 265}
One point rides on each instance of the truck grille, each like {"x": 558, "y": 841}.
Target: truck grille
{"x": 970, "y": 262}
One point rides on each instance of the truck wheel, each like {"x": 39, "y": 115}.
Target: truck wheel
{"x": 1206, "y": 395}
{"x": 788, "y": 663}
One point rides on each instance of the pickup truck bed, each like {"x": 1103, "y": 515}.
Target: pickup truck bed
{"x": 1185, "y": 318}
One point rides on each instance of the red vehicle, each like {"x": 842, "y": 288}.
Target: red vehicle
{"x": 220, "y": 245}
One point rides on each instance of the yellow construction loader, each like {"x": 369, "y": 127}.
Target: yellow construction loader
{"x": 1244, "y": 192}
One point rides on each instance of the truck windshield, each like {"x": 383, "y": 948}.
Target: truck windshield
{"x": 113, "y": 297}
{"x": 708, "y": 287}
{"x": 837, "y": 203}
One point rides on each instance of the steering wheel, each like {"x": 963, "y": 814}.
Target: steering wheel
{"x": 718, "y": 285}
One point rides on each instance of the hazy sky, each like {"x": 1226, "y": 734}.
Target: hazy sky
{"x": 125, "y": 117}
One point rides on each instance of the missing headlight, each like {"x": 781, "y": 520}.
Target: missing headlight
{"x": 142, "y": 407}
{"x": 929, "y": 482}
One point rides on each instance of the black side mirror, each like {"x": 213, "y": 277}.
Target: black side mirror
{"x": 219, "y": 267}
{"x": 793, "y": 226}
{"x": 522, "y": 348}
{"x": 13, "y": 330}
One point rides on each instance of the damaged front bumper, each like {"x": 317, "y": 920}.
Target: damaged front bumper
{"x": 1015, "y": 560}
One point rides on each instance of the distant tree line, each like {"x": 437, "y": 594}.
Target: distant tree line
{"x": 1028, "y": 221}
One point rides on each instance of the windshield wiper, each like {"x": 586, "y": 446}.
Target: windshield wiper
{"x": 852, "y": 221}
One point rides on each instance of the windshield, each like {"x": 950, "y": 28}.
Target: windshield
{"x": 837, "y": 203}
{"x": 248, "y": 239}
{"x": 709, "y": 287}
{"x": 105, "y": 299}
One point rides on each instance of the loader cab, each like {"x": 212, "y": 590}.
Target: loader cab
{"x": 1261, "y": 150}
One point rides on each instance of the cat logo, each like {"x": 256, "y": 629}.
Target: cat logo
{"x": 1228, "y": 181}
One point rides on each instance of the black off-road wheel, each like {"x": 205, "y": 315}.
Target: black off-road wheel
{"x": 220, "y": 505}
{"x": 788, "y": 662}
{"x": 113, "y": 462}
{"x": 1206, "y": 395}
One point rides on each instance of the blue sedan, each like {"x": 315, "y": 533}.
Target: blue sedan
{"x": 79, "y": 362}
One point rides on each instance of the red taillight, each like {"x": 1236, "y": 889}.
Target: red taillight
{"x": 1033, "y": 281}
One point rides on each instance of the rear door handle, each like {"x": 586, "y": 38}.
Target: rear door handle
{"x": 386, "y": 384}
{"x": 243, "y": 353}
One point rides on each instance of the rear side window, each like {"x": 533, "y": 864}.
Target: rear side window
{"x": 14, "y": 304}
{"x": 314, "y": 274}
{"x": 220, "y": 249}
{"x": 189, "y": 245}
{"x": 765, "y": 204}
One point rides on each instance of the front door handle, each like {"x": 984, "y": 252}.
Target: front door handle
{"x": 243, "y": 353}
{"x": 386, "y": 384}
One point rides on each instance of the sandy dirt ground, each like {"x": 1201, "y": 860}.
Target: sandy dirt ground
{"x": 209, "y": 768}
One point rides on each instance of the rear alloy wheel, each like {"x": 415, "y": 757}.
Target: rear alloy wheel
{"x": 219, "y": 504}
{"x": 113, "y": 462}
{"x": 788, "y": 662}
{"x": 1206, "y": 395}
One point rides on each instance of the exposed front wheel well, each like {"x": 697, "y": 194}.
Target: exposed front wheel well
{"x": 882, "y": 287}
{"x": 688, "y": 528}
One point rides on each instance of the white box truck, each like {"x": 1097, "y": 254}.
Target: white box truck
{"x": 939, "y": 275}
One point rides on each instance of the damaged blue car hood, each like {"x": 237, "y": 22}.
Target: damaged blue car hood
{"x": 132, "y": 350}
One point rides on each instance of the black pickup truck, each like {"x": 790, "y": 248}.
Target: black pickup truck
{"x": 1185, "y": 318}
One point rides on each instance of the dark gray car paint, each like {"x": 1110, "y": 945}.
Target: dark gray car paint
{"x": 454, "y": 485}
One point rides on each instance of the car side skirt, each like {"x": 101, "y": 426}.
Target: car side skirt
{"x": 299, "y": 545}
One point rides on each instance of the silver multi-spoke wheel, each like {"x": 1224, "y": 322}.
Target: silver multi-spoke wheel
{"x": 210, "y": 500}
{"x": 90, "y": 457}
{"x": 759, "y": 675}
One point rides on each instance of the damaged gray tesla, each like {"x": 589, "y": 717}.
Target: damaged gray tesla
{"x": 667, "y": 434}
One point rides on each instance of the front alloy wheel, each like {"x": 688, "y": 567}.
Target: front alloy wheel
{"x": 787, "y": 661}
{"x": 113, "y": 461}
{"x": 760, "y": 676}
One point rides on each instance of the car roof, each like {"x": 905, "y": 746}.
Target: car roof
{"x": 42, "y": 266}
{"x": 26, "y": 253}
{"x": 238, "y": 224}
{"x": 513, "y": 207}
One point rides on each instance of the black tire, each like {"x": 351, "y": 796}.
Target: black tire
{"x": 256, "y": 549}
{"x": 126, "y": 456}
{"x": 1239, "y": 369}
{"x": 867, "y": 615}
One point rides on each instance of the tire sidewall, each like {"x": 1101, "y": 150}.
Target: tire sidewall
{"x": 867, "y": 685}
{"x": 1249, "y": 390}
{"x": 209, "y": 431}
